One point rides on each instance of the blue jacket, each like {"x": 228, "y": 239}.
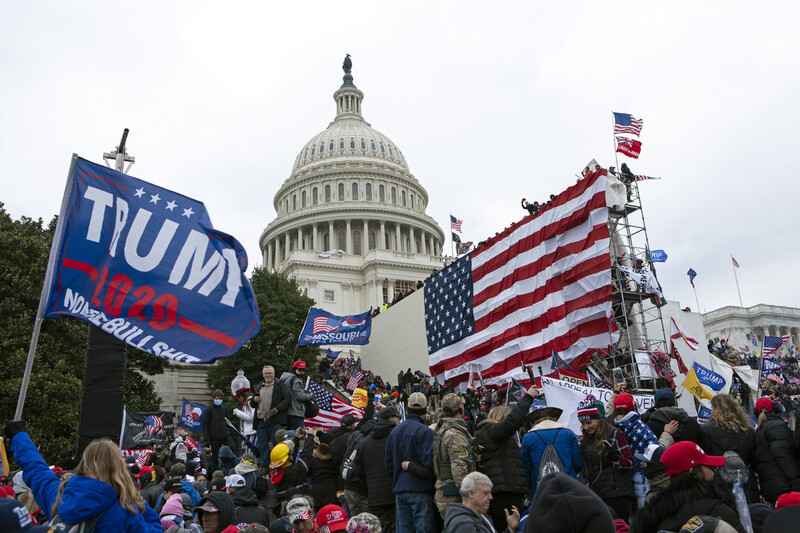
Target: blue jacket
{"x": 411, "y": 441}
{"x": 83, "y": 497}
{"x": 563, "y": 440}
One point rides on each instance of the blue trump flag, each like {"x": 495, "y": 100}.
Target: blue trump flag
{"x": 192, "y": 415}
{"x": 692, "y": 274}
{"x": 144, "y": 264}
{"x": 323, "y": 327}
{"x": 708, "y": 377}
{"x": 658, "y": 256}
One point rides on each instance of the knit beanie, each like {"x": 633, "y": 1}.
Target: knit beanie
{"x": 587, "y": 409}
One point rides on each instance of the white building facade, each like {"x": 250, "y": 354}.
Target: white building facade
{"x": 351, "y": 226}
{"x": 739, "y": 324}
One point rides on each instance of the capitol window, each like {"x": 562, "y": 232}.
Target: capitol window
{"x": 330, "y": 146}
{"x": 412, "y": 201}
{"x": 369, "y": 191}
{"x": 372, "y": 145}
{"x": 394, "y": 196}
{"x": 371, "y": 240}
{"x": 356, "y": 242}
{"x": 294, "y": 202}
{"x": 341, "y": 192}
{"x": 313, "y": 149}
{"x": 303, "y": 201}
{"x": 314, "y": 196}
{"x": 341, "y": 144}
{"x": 342, "y": 238}
{"x": 352, "y": 143}
{"x": 383, "y": 150}
{"x": 321, "y": 147}
{"x": 328, "y": 295}
{"x": 381, "y": 195}
{"x": 363, "y": 145}
{"x": 327, "y": 194}
{"x": 403, "y": 198}
{"x": 355, "y": 191}
{"x": 390, "y": 152}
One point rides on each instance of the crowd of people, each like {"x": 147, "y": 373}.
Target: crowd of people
{"x": 426, "y": 458}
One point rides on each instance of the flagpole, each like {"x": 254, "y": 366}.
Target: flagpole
{"x": 733, "y": 266}
{"x": 614, "y": 142}
{"x": 48, "y": 280}
{"x": 298, "y": 337}
{"x": 452, "y": 243}
{"x": 695, "y": 299}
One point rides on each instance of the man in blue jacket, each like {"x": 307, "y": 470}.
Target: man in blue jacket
{"x": 409, "y": 458}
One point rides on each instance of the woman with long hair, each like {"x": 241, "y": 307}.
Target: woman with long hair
{"x": 101, "y": 491}
{"x": 729, "y": 429}
{"x": 500, "y": 457}
{"x": 775, "y": 459}
{"x": 607, "y": 459}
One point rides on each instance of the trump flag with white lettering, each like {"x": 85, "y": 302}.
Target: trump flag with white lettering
{"x": 144, "y": 264}
{"x": 541, "y": 286}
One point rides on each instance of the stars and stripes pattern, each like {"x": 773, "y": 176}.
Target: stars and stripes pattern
{"x": 323, "y": 325}
{"x": 455, "y": 224}
{"x": 331, "y": 408}
{"x": 153, "y": 425}
{"x": 354, "y": 379}
{"x": 141, "y": 456}
{"x": 735, "y": 262}
{"x": 543, "y": 284}
{"x": 629, "y": 147}
{"x": 626, "y": 123}
{"x": 773, "y": 344}
{"x": 642, "y": 177}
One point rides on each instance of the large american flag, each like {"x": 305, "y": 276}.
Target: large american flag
{"x": 625, "y": 123}
{"x": 542, "y": 285}
{"x": 322, "y": 325}
{"x": 331, "y": 408}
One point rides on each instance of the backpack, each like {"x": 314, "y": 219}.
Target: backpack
{"x": 551, "y": 462}
{"x": 348, "y": 465}
{"x": 474, "y": 449}
{"x": 87, "y": 526}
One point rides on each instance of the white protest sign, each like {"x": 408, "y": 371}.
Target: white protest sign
{"x": 567, "y": 396}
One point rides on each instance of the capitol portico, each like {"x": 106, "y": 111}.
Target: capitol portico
{"x": 351, "y": 226}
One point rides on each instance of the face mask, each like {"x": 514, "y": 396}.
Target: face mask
{"x": 217, "y": 402}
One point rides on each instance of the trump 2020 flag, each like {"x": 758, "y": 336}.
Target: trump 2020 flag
{"x": 144, "y": 264}
{"x": 192, "y": 415}
{"x": 323, "y": 327}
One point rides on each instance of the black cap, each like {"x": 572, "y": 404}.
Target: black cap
{"x": 347, "y": 420}
{"x": 173, "y": 485}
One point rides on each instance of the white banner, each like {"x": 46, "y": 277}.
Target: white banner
{"x": 567, "y": 396}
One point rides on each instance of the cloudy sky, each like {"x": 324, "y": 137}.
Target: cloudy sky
{"x": 489, "y": 102}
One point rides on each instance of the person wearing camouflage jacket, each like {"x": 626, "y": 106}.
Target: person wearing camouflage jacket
{"x": 452, "y": 453}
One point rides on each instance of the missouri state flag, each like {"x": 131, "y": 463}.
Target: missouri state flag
{"x": 144, "y": 264}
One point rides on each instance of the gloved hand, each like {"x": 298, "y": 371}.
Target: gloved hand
{"x": 272, "y": 412}
{"x": 13, "y": 427}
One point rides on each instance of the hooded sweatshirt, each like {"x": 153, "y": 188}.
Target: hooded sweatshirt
{"x": 223, "y": 502}
{"x": 565, "y": 505}
{"x": 172, "y": 513}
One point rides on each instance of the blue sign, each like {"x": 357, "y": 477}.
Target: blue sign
{"x": 708, "y": 377}
{"x": 704, "y": 413}
{"x": 770, "y": 365}
{"x": 144, "y": 264}
{"x": 192, "y": 415}
{"x": 323, "y": 327}
{"x": 658, "y": 256}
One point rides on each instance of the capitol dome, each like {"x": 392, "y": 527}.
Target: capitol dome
{"x": 351, "y": 226}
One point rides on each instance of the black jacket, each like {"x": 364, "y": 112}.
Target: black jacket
{"x": 775, "y": 458}
{"x": 717, "y": 441}
{"x": 280, "y": 401}
{"x": 500, "y": 456}
{"x": 688, "y": 428}
{"x": 293, "y": 480}
{"x": 323, "y": 473}
{"x": 605, "y": 479}
{"x": 339, "y": 447}
{"x": 214, "y": 426}
{"x": 248, "y": 509}
{"x": 369, "y": 464}
{"x": 671, "y": 507}
{"x": 150, "y": 493}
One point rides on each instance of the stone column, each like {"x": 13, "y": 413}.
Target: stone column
{"x": 431, "y": 246}
{"x": 299, "y": 239}
{"x": 268, "y": 261}
{"x": 315, "y": 242}
{"x": 365, "y": 238}
{"x": 288, "y": 246}
{"x": 382, "y": 238}
{"x": 349, "y": 238}
{"x": 412, "y": 240}
{"x": 397, "y": 237}
{"x": 390, "y": 290}
{"x": 331, "y": 244}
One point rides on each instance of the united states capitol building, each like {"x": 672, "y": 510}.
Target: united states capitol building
{"x": 351, "y": 226}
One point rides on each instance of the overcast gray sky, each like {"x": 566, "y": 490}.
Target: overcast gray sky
{"x": 489, "y": 102}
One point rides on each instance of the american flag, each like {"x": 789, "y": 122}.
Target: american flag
{"x": 773, "y": 344}
{"x": 140, "y": 455}
{"x": 629, "y": 147}
{"x": 735, "y": 262}
{"x": 455, "y": 224}
{"x": 543, "y": 284}
{"x": 642, "y": 177}
{"x": 625, "y": 123}
{"x": 331, "y": 408}
{"x": 153, "y": 425}
{"x": 355, "y": 377}
{"x": 322, "y": 325}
